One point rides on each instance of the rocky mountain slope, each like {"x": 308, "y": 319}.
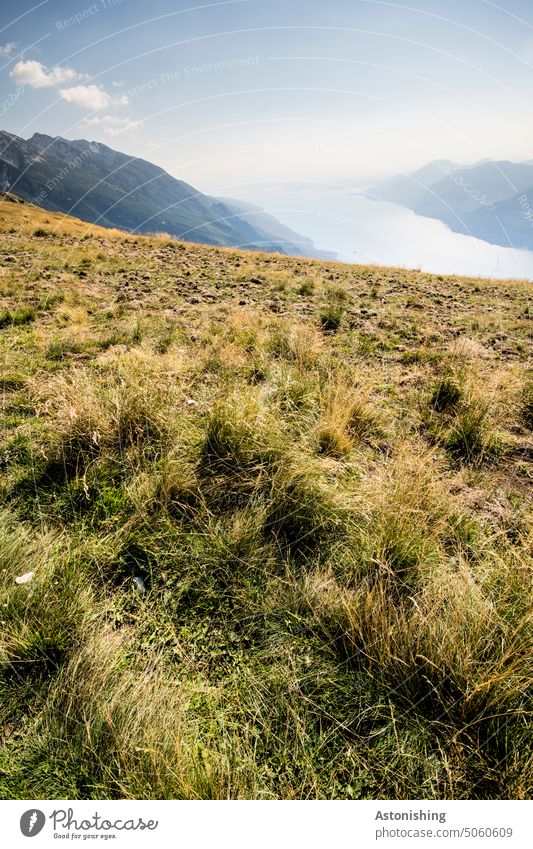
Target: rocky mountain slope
{"x": 104, "y": 186}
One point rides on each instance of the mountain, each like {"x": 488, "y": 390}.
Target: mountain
{"x": 106, "y": 187}
{"x": 267, "y": 224}
{"x": 491, "y": 200}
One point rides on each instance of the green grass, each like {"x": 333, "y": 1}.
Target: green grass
{"x": 446, "y": 395}
{"x": 15, "y": 317}
{"x": 461, "y": 420}
{"x": 331, "y": 317}
{"x": 470, "y": 436}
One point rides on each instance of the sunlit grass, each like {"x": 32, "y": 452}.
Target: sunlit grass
{"x": 279, "y": 549}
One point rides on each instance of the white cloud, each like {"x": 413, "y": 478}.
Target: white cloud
{"x": 111, "y": 124}
{"x": 7, "y": 49}
{"x": 91, "y": 97}
{"x": 36, "y": 75}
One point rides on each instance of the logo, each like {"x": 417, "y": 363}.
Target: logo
{"x": 32, "y": 822}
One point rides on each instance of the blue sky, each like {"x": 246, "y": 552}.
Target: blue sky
{"x": 230, "y": 93}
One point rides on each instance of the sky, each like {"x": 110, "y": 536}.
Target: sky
{"x": 229, "y": 94}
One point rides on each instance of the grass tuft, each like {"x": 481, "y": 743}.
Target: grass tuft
{"x": 331, "y": 317}
{"x": 446, "y": 395}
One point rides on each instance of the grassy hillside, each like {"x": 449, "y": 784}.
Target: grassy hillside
{"x": 276, "y": 514}
{"x": 102, "y": 185}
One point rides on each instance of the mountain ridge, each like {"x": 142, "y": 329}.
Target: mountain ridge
{"x": 489, "y": 200}
{"x": 106, "y": 187}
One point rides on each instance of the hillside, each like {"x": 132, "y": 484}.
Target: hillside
{"x": 411, "y": 189}
{"x": 104, "y": 186}
{"x": 265, "y": 523}
{"x": 490, "y": 200}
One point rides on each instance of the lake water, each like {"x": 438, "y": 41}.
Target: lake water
{"x": 360, "y": 230}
